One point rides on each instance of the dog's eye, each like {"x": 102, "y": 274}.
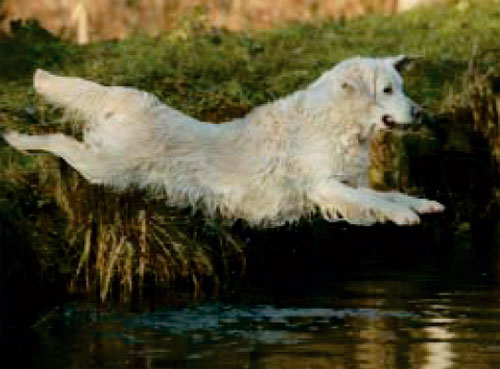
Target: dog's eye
{"x": 388, "y": 90}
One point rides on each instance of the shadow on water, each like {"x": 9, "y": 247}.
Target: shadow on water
{"x": 136, "y": 284}
{"x": 385, "y": 316}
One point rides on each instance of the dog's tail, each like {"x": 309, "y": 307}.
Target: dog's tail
{"x": 91, "y": 100}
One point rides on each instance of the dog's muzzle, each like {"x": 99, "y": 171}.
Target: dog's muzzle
{"x": 416, "y": 115}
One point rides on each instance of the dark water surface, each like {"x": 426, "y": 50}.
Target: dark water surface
{"x": 437, "y": 315}
{"x": 314, "y": 295}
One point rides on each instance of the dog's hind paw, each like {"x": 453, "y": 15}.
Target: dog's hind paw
{"x": 15, "y": 139}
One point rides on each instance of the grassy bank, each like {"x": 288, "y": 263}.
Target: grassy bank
{"x": 109, "y": 242}
{"x": 215, "y": 75}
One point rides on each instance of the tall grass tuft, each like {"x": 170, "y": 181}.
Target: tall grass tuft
{"x": 478, "y": 103}
{"x": 129, "y": 243}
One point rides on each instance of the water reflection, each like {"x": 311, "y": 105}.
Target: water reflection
{"x": 403, "y": 328}
{"x": 439, "y": 352}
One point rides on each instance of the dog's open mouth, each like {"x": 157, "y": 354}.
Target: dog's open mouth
{"x": 400, "y": 126}
{"x": 390, "y": 123}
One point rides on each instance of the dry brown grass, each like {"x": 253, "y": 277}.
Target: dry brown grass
{"x": 88, "y": 20}
{"x": 478, "y": 101}
{"x": 127, "y": 243}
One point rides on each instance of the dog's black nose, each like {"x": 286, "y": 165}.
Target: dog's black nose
{"x": 388, "y": 120}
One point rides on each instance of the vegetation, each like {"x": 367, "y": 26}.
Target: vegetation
{"x": 214, "y": 74}
{"x": 112, "y": 242}
{"x": 91, "y": 20}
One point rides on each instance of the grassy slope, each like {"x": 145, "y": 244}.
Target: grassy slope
{"x": 215, "y": 76}
{"x": 218, "y": 75}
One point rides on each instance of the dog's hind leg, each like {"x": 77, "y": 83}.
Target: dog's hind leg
{"x": 92, "y": 100}
{"x": 90, "y": 164}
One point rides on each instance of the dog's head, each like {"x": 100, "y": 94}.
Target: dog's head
{"x": 372, "y": 91}
{"x": 379, "y": 84}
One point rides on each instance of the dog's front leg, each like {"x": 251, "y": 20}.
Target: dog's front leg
{"x": 339, "y": 201}
{"x": 421, "y": 206}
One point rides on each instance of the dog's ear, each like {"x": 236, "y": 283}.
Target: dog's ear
{"x": 348, "y": 87}
{"x": 402, "y": 62}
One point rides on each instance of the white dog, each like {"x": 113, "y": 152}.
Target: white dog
{"x": 301, "y": 154}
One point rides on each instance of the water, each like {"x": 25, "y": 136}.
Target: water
{"x": 377, "y": 318}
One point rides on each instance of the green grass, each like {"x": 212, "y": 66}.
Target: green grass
{"x": 216, "y": 75}
{"x": 213, "y": 75}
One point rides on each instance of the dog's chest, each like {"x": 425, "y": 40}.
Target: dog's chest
{"x": 354, "y": 154}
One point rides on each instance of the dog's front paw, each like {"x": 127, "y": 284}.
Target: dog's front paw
{"x": 406, "y": 218}
{"x": 425, "y": 206}
{"x": 401, "y": 215}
